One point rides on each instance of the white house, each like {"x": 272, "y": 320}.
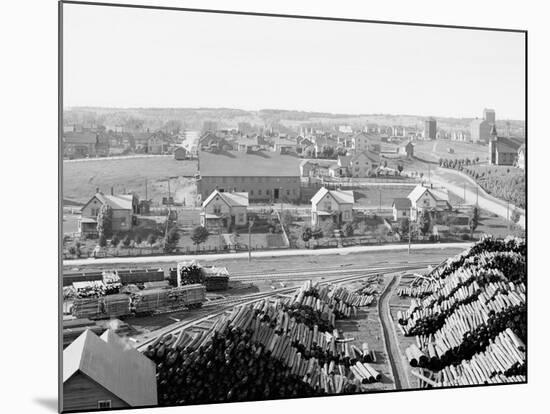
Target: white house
{"x": 401, "y": 208}
{"x": 361, "y": 164}
{"x": 427, "y": 198}
{"x": 335, "y": 205}
{"x": 222, "y": 211}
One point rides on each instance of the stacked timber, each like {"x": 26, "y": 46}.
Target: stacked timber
{"x": 263, "y": 350}
{"x": 159, "y": 300}
{"x": 472, "y": 328}
{"x": 90, "y": 289}
{"x": 116, "y": 305}
{"x": 112, "y": 282}
{"x": 91, "y": 308}
{"x": 323, "y": 299}
{"x": 504, "y": 359}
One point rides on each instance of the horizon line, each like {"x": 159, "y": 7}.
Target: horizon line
{"x": 337, "y": 114}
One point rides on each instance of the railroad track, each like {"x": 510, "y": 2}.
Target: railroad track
{"x": 227, "y": 304}
{"x": 307, "y": 274}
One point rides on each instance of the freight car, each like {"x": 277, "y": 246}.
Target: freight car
{"x": 148, "y": 301}
{"x": 127, "y": 276}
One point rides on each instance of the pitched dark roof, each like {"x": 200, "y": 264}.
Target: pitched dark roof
{"x": 507, "y": 144}
{"x": 83, "y": 137}
{"x": 240, "y": 164}
{"x": 402, "y": 203}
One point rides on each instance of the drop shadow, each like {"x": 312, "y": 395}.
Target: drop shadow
{"x": 49, "y": 403}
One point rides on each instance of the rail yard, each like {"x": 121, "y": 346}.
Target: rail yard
{"x": 233, "y": 330}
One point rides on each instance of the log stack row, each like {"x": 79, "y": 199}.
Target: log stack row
{"x": 472, "y": 328}
{"x": 264, "y": 350}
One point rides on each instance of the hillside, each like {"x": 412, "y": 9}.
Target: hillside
{"x": 193, "y": 118}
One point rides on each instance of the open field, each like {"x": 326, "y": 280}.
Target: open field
{"x": 434, "y": 150}
{"x": 80, "y": 179}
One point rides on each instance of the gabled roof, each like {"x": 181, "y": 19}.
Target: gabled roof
{"x": 241, "y": 164}
{"x": 373, "y": 157}
{"x": 341, "y": 196}
{"x": 126, "y": 373}
{"x": 439, "y": 194}
{"x": 284, "y": 142}
{"x": 83, "y": 137}
{"x": 117, "y": 202}
{"x": 232, "y": 199}
{"x": 402, "y": 203}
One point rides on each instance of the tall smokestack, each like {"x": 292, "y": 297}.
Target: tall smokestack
{"x": 112, "y": 190}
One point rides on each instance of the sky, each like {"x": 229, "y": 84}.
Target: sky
{"x": 122, "y": 57}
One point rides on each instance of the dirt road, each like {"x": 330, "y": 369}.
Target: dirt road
{"x": 398, "y": 369}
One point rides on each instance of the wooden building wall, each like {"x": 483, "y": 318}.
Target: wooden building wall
{"x": 82, "y": 393}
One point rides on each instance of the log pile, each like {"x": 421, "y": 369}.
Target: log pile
{"x": 472, "y": 328}
{"x": 508, "y": 253}
{"x": 502, "y": 361}
{"x": 268, "y": 349}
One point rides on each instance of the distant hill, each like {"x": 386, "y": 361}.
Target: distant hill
{"x": 193, "y": 118}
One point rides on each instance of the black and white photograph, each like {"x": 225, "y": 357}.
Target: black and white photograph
{"x": 261, "y": 206}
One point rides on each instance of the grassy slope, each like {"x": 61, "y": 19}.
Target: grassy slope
{"x": 80, "y": 179}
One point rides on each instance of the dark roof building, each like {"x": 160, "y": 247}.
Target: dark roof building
{"x": 264, "y": 175}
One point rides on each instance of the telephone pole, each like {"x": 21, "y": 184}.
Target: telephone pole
{"x": 250, "y": 224}
{"x": 508, "y": 215}
{"x": 409, "y": 248}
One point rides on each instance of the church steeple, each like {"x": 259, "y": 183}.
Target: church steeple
{"x": 494, "y": 132}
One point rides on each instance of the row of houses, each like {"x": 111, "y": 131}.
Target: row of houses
{"x": 83, "y": 143}
{"x": 223, "y": 211}
{"x": 318, "y": 145}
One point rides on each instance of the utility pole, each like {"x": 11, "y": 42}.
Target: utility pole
{"x": 250, "y": 224}
{"x": 169, "y": 191}
{"x": 508, "y": 215}
{"x": 409, "y": 249}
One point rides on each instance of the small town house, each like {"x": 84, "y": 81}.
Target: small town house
{"x": 333, "y": 205}
{"x": 223, "y": 211}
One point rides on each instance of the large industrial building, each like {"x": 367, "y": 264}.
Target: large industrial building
{"x": 265, "y": 176}
{"x": 480, "y": 129}
{"x": 430, "y": 128}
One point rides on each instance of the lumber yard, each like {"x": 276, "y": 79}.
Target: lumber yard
{"x": 461, "y": 322}
{"x": 469, "y": 317}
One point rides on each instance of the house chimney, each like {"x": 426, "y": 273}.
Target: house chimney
{"x": 97, "y": 190}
